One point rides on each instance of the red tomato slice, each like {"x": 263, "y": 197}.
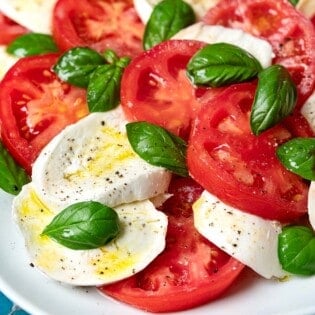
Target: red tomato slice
{"x": 9, "y": 30}
{"x": 291, "y": 34}
{"x": 98, "y": 24}
{"x": 155, "y": 87}
{"x": 189, "y": 272}
{"x": 239, "y": 168}
{"x": 35, "y": 105}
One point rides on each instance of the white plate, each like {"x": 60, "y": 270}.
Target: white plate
{"x": 39, "y": 295}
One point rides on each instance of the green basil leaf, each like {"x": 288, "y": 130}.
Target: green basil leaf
{"x": 32, "y": 44}
{"x": 12, "y": 176}
{"x": 294, "y": 2}
{"x": 103, "y": 92}
{"x": 296, "y": 250}
{"x": 84, "y": 225}
{"x": 158, "y": 147}
{"x": 77, "y": 64}
{"x": 275, "y": 98}
{"x": 168, "y": 17}
{"x": 222, "y": 64}
{"x": 298, "y": 156}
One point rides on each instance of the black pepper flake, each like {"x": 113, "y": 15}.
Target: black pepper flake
{"x": 103, "y": 123}
{"x": 32, "y": 265}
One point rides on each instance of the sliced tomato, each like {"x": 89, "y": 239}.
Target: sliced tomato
{"x": 99, "y": 24}
{"x": 35, "y": 105}
{"x": 239, "y": 168}
{"x": 9, "y": 30}
{"x": 189, "y": 272}
{"x": 155, "y": 87}
{"x": 291, "y": 34}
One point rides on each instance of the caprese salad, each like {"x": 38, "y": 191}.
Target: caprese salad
{"x": 157, "y": 148}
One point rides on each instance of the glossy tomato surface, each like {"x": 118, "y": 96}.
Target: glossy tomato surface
{"x": 240, "y": 168}
{"x": 35, "y": 106}
{"x": 99, "y": 24}
{"x": 189, "y": 272}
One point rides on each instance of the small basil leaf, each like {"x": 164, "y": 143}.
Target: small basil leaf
{"x": 32, "y": 44}
{"x": 275, "y": 98}
{"x": 77, "y": 64}
{"x": 296, "y": 250}
{"x": 12, "y": 176}
{"x": 294, "y": 2}
{"x": 103, "y": 92}
{"x": 298, "y": 156}
{"x": 84, "y": 225}
{"x": 222, "y": 64}
{"x": 168, "y": 17}
{"x": 158, "y": 147}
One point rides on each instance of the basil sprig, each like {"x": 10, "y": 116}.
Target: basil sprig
{"x": 32, "y": 44}
{"x": 84, "y": 225}
{"x": 296, "y": 250}
{"x": 298, "y": 156}
{"x": 168, "y": 17}
{"x": 275, "y": 98}
{"x": 222, "y": 64}
{"x": 158, "y": 147}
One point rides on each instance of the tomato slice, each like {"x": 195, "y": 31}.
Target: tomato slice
{"x": 189, "y": 272}
{"x": 9, "y": 30}
{"x": 98, "y": 24}
{"x": 291, "y": 34}
{"x": 35, "y": 105}
{"x": 239, "y": 168}
{"x": 155, "y": 87}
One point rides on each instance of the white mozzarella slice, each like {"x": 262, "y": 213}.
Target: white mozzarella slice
{"x": 308, "y": 111}
{"x": 35, "y": 15}
{"x": 142, "y": 238}
{"x": 311, "y": 204}
{"x": 144, "y": 8}
{"x": 249, "y": 238}
{"x": 307, "y": 7}
{"x": 259, "y": 48}
{"x": 93, "y": 160}
{"x": 6, "y": 61}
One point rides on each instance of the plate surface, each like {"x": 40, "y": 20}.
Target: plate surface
{"x": 39, "y": 295}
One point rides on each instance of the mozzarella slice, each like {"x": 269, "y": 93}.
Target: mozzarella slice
{"x": 311, "y": 204}
{"x": 308, "y": 111}
{"x": 307, "y": 7}
{"x": 6, "y": 61}
{"x": 35, "y": 15}
{"x": 141, "y": 239}
{"x": 249, "y": 238}
{"x": 144, "y": 8}
{"x": 259, "y": 48}
{"x": 93, "y": 160}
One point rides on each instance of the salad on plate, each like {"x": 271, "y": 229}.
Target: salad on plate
{"x": 157, "y": 150}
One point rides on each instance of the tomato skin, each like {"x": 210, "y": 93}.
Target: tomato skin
{"x": 183, "y": 276}
{"x": 35, "y": 105}
{"x": 239, "y": 168}
{"x": 98, "y": 24}
{"x": 290, "y": 34}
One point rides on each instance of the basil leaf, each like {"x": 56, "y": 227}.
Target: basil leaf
{"x": 275, "y": 98}
{"x": 168, "y": 17}
{"x": 32, "y": 44}
{"x": 294, "y": 2}
{"x": 77, "y": 64}
{"x": 298, "y": 156}
{"x": 103, "y": 92}
{"x": 84, "y": 225}
{"x": 158, "y": 147}
{"x": 12, "y": 176}
{"x": 296, "y": 250}
{"x": 222, "y": 64}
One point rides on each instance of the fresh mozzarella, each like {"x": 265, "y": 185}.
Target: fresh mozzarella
{"x": 6, "y": 61}
{"x": 311, "y": 204}
{"x": 259, "y": 48}
{"x": 35, "y": 15}
{"x": 93, "y": 160}
{"x": 141, "y": 239}
{"x": 308, "y": 111}
{"x": 307, "y": 7}
{"x": 249, "y": 238}
{"x": 144, "y": 8}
